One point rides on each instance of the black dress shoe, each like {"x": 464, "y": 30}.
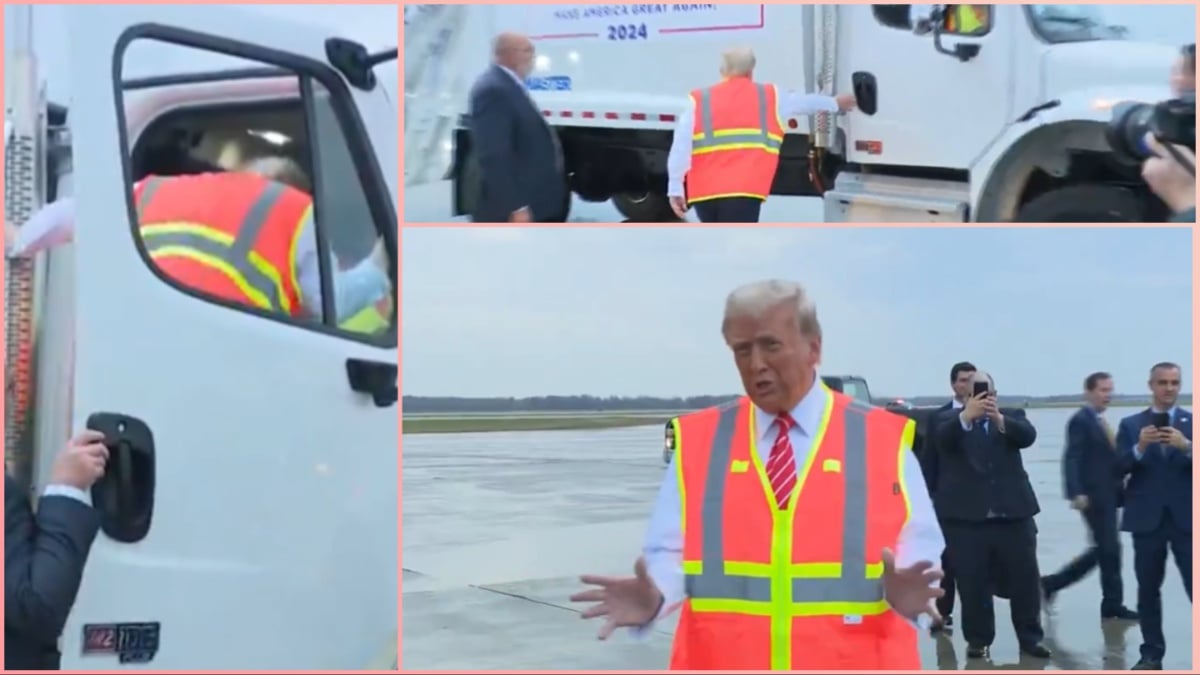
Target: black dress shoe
{"x": 1147, "y": 664}
{"x": 1037, "y": 650}
{"x": 977, "y": 651}
{"x": 1120, "y": 614}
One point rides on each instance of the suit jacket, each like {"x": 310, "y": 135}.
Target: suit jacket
{"x": 1160, "y": 483}
{"x": 517, "y": 152}
{"x": 929, "y": 453}
{"x": 44, "y": 556}
{"x": 981, "y": 472}
{"x": 1091, "y": 463}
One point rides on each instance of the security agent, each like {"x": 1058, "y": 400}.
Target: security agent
{"x": 988, "y": 506}
{"x": 45, "y": 553}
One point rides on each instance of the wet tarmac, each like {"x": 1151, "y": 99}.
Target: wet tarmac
{"x": 498, "y": 526}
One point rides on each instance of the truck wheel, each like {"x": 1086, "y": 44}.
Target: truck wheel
{"x": 1084, "y": 204}
{"x": 645, "y": 208}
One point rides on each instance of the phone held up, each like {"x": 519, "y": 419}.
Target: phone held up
{"x": 980, "y": 388}
{"x": 1161, "y": 420}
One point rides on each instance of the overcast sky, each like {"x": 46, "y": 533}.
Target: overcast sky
{"x": 620, "y": 311}
{"x": 376, "y": 26}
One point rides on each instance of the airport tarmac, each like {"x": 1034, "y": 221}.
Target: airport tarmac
{"x": 498, "y": 526}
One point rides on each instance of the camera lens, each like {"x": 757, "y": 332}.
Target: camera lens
{"x": 1127, "y": 130}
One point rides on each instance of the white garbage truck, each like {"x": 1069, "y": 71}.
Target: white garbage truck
{"x": 249, "y": 509}
{"x": 1001, "y": 121}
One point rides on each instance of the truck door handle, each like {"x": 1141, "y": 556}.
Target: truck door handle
{"x": 375, "y": 378}
{"x": 124, "y": 496}
{"x": 866, "y": 92}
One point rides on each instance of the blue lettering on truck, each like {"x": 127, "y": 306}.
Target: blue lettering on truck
{"x": 550, "y": 83}
{"x": 633, "y": 31}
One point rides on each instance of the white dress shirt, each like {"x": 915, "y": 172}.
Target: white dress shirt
{"x": 789, "y": 104}
{"x": 354, "y": 289}
{"x": 920, "y": 539}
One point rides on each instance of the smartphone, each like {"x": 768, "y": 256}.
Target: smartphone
{"x": 1161, "y": 420}
{"x": 980, "y": 388}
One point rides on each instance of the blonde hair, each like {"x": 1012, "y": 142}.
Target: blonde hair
{"x": 754, "y": 300}
{"x": 737, "y": 62}
{"x": 281, "y": 169}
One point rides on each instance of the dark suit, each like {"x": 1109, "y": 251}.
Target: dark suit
{"x": 1158, "y": 512}
{"x": 1092, "y": 468}
{"x": 44, "y": 556}
{"x": 519, "y": 158}
{"x": 987, "y": 507}
{"x": 929, "y": 468}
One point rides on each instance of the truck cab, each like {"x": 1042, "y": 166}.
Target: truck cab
{"x": 248, "y": 512}
{"x": 999, "y": 121}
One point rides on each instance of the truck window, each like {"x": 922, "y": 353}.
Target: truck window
{"x": 856, "y": 389}
{"x": 245, "y": 191}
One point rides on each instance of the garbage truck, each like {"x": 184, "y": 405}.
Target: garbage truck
{"x": 1000, "y": 121}
{"x": 249, "y": 507}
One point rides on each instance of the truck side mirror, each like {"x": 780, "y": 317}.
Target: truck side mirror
{"x": 963, "y": 51}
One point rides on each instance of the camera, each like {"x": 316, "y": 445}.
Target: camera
{"x": 1172, "y": 122}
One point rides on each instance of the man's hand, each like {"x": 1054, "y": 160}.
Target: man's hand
{"x": 679, "y": 206}
{"x": 82, "y": 462}
{"x": 1080, "y": 503}
{"x": 975, "y": 408}
{"x": 846, "y": 102}
{"x": 521, "y": 215}
{"x": 910, "y": 590}
{"x": 992, "y": 410}
{"x": 1175, "y": 438}
{"x": 1169, "y": 179}
{"x": 1146, "y": 437}
{"x": 623, "y": 601}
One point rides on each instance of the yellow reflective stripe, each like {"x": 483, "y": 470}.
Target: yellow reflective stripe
{"x": 725, "y": 195}
{"x": 212, "y": 244}
{"x": 367, "y": 321}
{"x": 810, "y": 570}
{"x": 255, "y": 297}
{"x": 735, "y": 146}
{"x": 906, "y": 442}
{"x": 793, "y": 610}
{"x": 677, "y": 455}
{"x": 293, "y": 247}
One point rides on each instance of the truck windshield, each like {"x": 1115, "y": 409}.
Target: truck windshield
{"x": 1072, "y": 23}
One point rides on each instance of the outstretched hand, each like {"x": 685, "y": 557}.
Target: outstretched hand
{"x": 910, "y": 590}
{"x": 622, "y": 601}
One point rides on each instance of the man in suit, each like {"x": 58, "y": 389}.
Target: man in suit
{"x": 962, "y": 377}
{"x": 45, "y": 553}
{"x": 1156, "y": 452}
{"x": 1093, "y": 483}
{"x": 987, "y": 505}
{"x": 520, "y": 159}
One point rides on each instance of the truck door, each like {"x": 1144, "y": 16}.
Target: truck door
{"x": 933, "y": 110}
{"x": 249, "y": 508}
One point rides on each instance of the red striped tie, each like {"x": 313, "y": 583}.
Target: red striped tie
{"x": 781, "y": 466}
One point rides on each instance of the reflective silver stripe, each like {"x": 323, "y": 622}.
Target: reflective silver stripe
{"x": 708, "y": 140}
{"x": 853, "y": 585}
{"x": 149, "y": 187}
{"x": 236, "y": 255}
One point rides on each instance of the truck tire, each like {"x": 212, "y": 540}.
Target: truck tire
{"x": 1084, "y": 204}
{"x": 471, "y": 185}
{"x": 647, "y": 208}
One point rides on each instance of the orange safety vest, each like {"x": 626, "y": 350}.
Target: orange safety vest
{"x": 768, "y": 589}
{"x": 736, "y": 136}
{"x": 967, "y": 19}
{"x": 232, "y": 236}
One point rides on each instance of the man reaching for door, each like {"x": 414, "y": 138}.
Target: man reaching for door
{"x": 45, "y": 553}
